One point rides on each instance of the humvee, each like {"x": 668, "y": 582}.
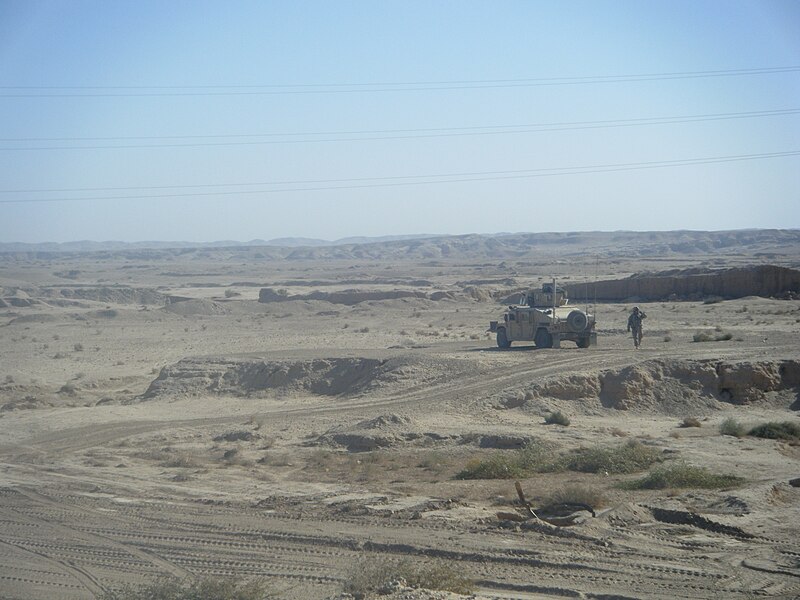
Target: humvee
{"x": 544, "y": 318}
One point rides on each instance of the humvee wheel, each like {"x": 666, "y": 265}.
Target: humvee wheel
{"x": 583, "y": 342}
{"x": 577, "y": 321}
{"x": 542, "y": 339}
{"x": 502, "y": 339}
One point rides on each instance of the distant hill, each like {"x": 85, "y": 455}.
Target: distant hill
{"x": 763, "y": 244}
{"x": 111, "y": 245}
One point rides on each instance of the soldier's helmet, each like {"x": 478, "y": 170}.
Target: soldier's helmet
{"x": 635, "y": 309}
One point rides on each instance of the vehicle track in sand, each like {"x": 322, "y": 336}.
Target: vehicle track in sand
{"x": 306, "y": 554}
{"x": 75, "y": 544}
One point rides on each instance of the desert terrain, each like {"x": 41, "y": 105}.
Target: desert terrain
{"x": 157, "y": 419}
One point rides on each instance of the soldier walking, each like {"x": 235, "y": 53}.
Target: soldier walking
{"x": 635, "y": 325}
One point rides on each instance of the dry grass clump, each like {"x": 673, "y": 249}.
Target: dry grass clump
{"x": 712, "y": 336}
{"x": 576, "y": 494}
{"x": 557, "y": 418}
{"x": 181, "y": 460}
{"x": 681, "y": 475}
{"x": 376, "y": 576}
{"x": 731, "y": 426}
{"x": 68, "y": 388}
{"x": 225, "y": 588}
{"x": 785, "y": 430}
{"x": 630, "y": 457}
{"x": 241, "y": 435}
{"x": 690, "y": 422}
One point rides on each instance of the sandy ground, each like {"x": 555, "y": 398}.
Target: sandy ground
{"x": 139, "y": 439}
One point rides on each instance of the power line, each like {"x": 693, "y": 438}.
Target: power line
{"x": 339, "y": 88}
{"x": 406, "y": 180}
{"x": 389, "y": 134}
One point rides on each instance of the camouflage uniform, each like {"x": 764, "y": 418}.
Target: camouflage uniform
{"x": 635, "y": 325}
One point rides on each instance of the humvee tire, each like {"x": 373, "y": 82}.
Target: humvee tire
{"x": 543, "y": 339}
{"x": 583, "y": 342}
{"x": 502, "y": 339}
{"x": 577, "y": 321}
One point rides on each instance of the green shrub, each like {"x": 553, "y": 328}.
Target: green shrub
{"x": 681, "y": 475}
{"x": 785, "y": 430}
{"x": 201, "y": 589}
{"x": 372, "y": 576}
{"x": 500, "y": 465}
{"x": 630, "y": 457}
{"x": 731, "y": 426}
{"x": 557, "y": 418}
{"x": 576, "y": 494}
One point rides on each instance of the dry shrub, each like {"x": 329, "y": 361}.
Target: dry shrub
{"x": 681, "y": 475}
{"x": 706, "y": 336}
{"x": 785, "y": 430}
{"x": 181, "y": 460}
{"x": 376, "y": 575}
{"x": 222, "y": 588}
{"x": 577, "y": 494}
{"x": 557, "y": 418}
{"x": 731, "y": 426}
{"x": 690, "y": 422}
{"x": 630, "y": 457}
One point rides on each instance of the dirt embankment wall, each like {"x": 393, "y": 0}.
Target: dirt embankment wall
{"x": 347, "y": 297}
{"x": 766, "y": 280}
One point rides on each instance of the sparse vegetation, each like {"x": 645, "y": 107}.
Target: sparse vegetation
{"x": 375, "y": 576}
{"x": 78, "y": 347}
{"x": 241, "y": 435}
{"x": 68, "y": 389}
{"x": 576, "y": 494}
{"x": 202, "y": 589}
{"x": 181, "y": 460}
{"x": 731, "y": 426}
{"x": 682, "y": 475}
{"x": 557, "y": 418}
{"x": 785, "y": 430}
{"x": 712, "y": 336}
{"x": 630, "y": 457}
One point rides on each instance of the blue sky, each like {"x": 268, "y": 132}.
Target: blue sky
{"x": 173, "y": 121}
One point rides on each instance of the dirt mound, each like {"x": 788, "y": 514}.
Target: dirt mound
{"x": 384, "y": 431}
{"x": 392, "y": 431}
{"x": 338, "y": 376}
{"x": 108, "y": 294}
{"x": 696, "y": 284}
{"x": 244, "y": 377}
{"x": 669, "y": 386}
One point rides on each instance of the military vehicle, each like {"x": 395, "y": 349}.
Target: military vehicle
{"x": 544, "y": 318}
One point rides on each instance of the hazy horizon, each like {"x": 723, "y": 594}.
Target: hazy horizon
{"x": 304, "y": 241}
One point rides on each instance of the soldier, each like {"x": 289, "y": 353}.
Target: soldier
{"x": 635, "y": 325}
